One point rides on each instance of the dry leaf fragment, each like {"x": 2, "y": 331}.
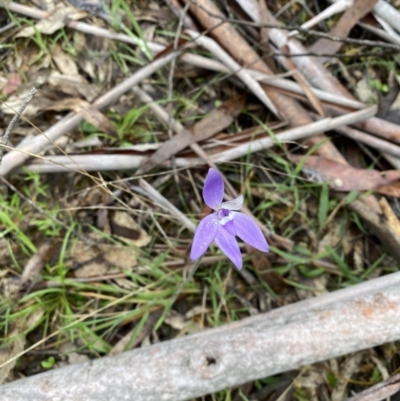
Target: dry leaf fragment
{"x": 391, "y": 217}
{"x": 100, "y": 259}
{"x": 87, "y": 111}
{"x": 64, "y": 62}
{"x": 124, "y": 227}
{"x": 38, "y": 260}
{"x": 390, "y": 190}
{"x": 74, "y": 85}
{"x": 212, "y": 124}
{"x": 348, "y": 20}
{"x": 341, "y": 177}
{"x": 261, "y": 262}
{"x": 57, "y": 20}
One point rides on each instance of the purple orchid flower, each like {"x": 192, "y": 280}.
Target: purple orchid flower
{"x": 225, "y": 223}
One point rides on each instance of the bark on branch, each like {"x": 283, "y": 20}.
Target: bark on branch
{"x": 326, "y": 327}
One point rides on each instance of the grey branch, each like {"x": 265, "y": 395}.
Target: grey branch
{"x": 321, "y": 328}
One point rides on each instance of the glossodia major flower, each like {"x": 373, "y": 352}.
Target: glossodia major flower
{"x": 225, "y": 223}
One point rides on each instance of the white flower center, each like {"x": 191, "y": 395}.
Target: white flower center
{"x": 224, "y": 215}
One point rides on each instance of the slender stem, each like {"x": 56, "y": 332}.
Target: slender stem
{"x": 6, "y": 136}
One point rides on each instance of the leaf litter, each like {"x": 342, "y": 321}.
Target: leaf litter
{"x": 119, "y": 237}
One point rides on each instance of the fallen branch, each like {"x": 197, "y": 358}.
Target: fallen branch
{"x": 307, "y": 332}
{"x": 111, "y": 162}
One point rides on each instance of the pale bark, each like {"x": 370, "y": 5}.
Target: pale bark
{"x": 326, "y": 327}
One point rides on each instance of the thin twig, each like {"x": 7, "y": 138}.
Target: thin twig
{"x": 113, "y": 162}
{"x": 171, "y": 79}
{"x": 6, "y": 136}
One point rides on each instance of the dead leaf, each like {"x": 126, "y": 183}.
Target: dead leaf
{"x": 97, "y": 260}
{"x": 212, "y": 124}
{"x": 14, "y": 102}
{"x": 341, "y": 177}
{"x": 390, "y": 190}
{"x": 64, "y": 62}
{"x": 391, "y": 217}
{"x": 57, "y": 20}
{"x": 262, "y": 264}
{"x": 87, "y": 111}
{"x": 333, "y": 237}
{"x": 74, "y": 85}
{"x": 37, "y": 261}
{"x": 343, "y": 27}
{"x": 124, "y": 227}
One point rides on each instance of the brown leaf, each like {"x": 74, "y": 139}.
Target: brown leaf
{"x": 37, "y": 261}
{"x": 123, "y": 226}
{"x": 348, "y": 20}
{"x": 87, "y": 111}
{"x": 391, "y": 217}
{"x": 261, "y": 262}
{"x": 341, "y": 177}
{"x": 64, "y": 62}
{"x": 97, "y": 260}
{"x": 74, "y": 85}
{"x": 210, "y": 125}
{"x": 390, "y": 190}
{"x": 56, "y": 21}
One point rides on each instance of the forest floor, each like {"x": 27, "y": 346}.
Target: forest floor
{"x": 101, "y": 180}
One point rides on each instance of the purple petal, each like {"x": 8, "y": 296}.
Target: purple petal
{"x": 229, "y": 246}
{"x": 229, "y": 226}
{"x": 248, "y": 231}
{"x": 213, "y": 190}
{"x": 204, "y": 235}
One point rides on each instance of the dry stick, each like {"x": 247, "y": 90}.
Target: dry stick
{"x": 195, "y": 365}
{"x": 394, "y": 38}
{"x": 166, "y": 204}
{"x": 336, "y": 8}
{"x": 16, "y": 158}
{"x": 371, "y": 141}
{"x": 6, "y": 136}
{"x": 193, "y": 59}
{"x": 389, "y": 13}
{"x": 234, "y": 67}
{"x": 317, "y": 75}
{"x": 126, "y": 162}
{"x": 211, "y": 18}
{"x": 271, "y": 80}
{"x": 34, "y": 12}
{"x": 213, "y": 21}
{"x": 380, "y": 391}
{"x": 171, "y": 80}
